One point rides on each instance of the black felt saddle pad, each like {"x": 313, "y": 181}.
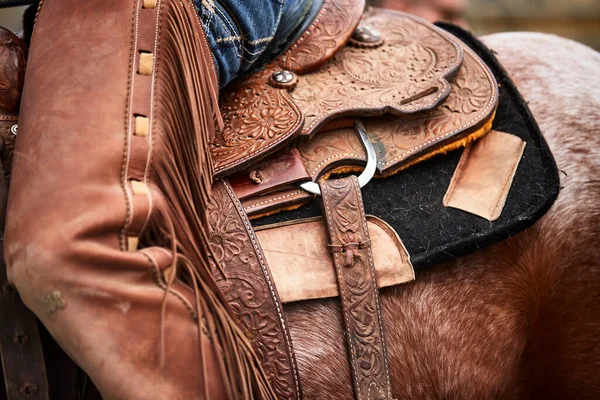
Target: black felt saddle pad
{"x": 411, "y": 201}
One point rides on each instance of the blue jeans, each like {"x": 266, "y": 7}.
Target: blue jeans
{"x": 246, "y": 34}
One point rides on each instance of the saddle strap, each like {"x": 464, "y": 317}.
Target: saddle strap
{"x": 351, "y": 249}
{"x": 248, "y": 286}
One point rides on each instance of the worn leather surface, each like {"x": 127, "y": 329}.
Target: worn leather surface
{"x": 260, "y": 117}
{"x": 406, "y": 74}
{"x": 350, "y": 245}
{"x": 101, "y": 303}
{"x": 484, "y": 175}
{"x": 248, "y": 285}
{"x": 302, "y": 266}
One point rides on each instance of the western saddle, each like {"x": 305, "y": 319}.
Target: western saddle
{"x": 153, "y": 177}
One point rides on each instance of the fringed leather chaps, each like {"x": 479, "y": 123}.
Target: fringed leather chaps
{"x": 118, "y": 109}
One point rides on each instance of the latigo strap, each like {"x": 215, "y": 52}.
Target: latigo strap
{"x": 351, "y": 249}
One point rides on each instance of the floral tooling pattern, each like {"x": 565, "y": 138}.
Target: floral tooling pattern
{"x": 350, "y": 246}
{"x": 246, "y": 286}
{"x": 405, "y": 75}
{"x": 472, "y": 101}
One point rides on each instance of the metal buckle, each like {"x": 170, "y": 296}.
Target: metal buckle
{"x": 367, "y": 173}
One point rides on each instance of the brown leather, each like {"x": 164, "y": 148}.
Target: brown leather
{"x": 24, "y": 371}
{"x": 12, "y": 74}
{"x": 248, "y": 285}
{"x": 289, "y": 199}
{"x": 468, "y": 110}
{"x": 127, "y": 176}
{"x": 278, "y": 171}
{"x": 74, "y": 156}
{"x": 319, "y": 43}
{"x": 484, "y": 174}
{"x": 302, "y": 267}
{"x": 261, "y": 117}
{"x": 350, "y": 245}
{"x": 12, "y": 61}
{"x": 466, "y": 114}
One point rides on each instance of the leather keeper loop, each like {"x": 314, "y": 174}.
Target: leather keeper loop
{"x": 141, "y": 206}
{"x": 146, "y": 63}
{"x": 138, "y": 158}
{"x": 149, "y": 3}
{"x": 138, "y": 188}
{"x": 142, "y": 126}
{"x": 132, "y": 243}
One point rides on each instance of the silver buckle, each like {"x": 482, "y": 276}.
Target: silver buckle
{"x": 367, "y": 173}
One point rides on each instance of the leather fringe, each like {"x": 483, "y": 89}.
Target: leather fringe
{"x": 184, "y": 123}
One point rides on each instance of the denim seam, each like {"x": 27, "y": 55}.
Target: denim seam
{"x": 241, "y": 37}
{"x": 259, "y": 51}
{"x": 209, "y": 5}
{"x": 231, "y": 28}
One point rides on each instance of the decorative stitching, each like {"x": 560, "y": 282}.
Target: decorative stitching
{"x": 258, "y": 252}
{"x": 128, "y": 108}
{"x": 273, "y": 199}
{"x": 493, "y": 100}
{"x": 324, "y": 190}
{"x": 325, "y": 161}
{"x": 149, "y": 155}
{"x": 375, "y": 288}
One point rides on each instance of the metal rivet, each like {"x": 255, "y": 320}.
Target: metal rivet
{"x": 20, "y": 338}
{"x": 283, "y": 76}
{"x": 14, "y": 129}
{"x": 366, "y": 34}
{"x": 28, "y": 389}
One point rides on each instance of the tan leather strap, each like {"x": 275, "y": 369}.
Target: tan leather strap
{"x": 353, "y": 259}
{"x": 249, "y": 288}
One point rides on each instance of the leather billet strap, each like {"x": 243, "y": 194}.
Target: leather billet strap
{"x": 351, "y": 249}
{"x": 248, "y": 286}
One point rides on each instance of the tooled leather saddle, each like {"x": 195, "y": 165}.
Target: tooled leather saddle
{"x": 368, "y": 92}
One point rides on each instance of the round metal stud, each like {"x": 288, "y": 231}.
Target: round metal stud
{"x": 14, "y": 129}
{"x": 283, "y": 76}
{"x": 283, "y": 79}
{"x": 366, "y": 36}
